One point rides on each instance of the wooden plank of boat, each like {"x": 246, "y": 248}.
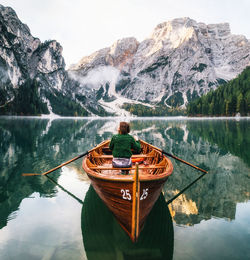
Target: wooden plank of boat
{"x": 131, "y": 168}
{"x": 133, "y": 156}
{"x": 129, "y": 197}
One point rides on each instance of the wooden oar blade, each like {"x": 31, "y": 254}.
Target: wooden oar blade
{"x": 31, "y": 174}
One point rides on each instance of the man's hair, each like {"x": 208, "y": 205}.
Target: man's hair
{"x": 124, "y": 128}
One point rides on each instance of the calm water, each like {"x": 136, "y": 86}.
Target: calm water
{"x": 40, "y": 220}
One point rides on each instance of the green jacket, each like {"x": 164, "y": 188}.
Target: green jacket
{"x": 121, "y": 145}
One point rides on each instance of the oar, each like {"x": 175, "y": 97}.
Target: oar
{"x": 62, "y": 188}
{"x": 63, "y": 164}
{"x": 179, "y": 159}
{"x": 59, "y": 166}
{"x": 188, "y": 186}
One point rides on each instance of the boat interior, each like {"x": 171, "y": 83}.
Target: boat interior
{"x": 150, "y": 161}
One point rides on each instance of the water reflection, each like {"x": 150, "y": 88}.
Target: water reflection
{"x": 35, "y": 145}
{"x": 231, "y": 136}
{"x": 103, "y": 238}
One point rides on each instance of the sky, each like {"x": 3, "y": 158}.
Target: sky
{"x": 85, "y": 26}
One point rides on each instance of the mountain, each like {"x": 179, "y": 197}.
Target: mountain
{"x": 229, "y": 99}
{"x": 181, "y": 60}
{"x": 33, "y": 79}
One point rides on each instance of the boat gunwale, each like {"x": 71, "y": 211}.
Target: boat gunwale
{"x": 128, "y": 178}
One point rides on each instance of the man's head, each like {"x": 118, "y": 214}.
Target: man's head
{"x": 124, "y": 128}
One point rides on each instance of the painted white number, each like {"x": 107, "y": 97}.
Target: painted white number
{"x": 144, "y": 194}
{"x": 125, "y": 194}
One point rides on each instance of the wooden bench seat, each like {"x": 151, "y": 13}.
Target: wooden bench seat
{"x": 150, "y": 167}
{"x": 104, "y": 156}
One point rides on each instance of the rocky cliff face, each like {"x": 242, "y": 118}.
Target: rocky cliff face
{"x": 103, "y": 69}
{"x": 23, "y": 59}
{"x": 182, "y": 59}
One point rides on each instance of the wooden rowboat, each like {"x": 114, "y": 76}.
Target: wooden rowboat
{"x": 129, "y": 197}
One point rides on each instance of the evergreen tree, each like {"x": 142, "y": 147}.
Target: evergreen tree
{"x": 228, "y": 99}
{"x": 240, "y": 104}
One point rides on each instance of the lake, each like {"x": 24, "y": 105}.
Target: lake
{"x": 61, "y": 217}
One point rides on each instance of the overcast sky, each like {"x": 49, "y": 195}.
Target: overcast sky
{"x": 85, "y": 26}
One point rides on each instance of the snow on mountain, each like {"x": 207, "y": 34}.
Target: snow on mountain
{"x": 36, "y": 70}
{"x": 182, "y": 59}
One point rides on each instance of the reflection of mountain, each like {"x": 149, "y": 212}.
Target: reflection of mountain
{"x": 228, "y": 180}
{"x": 35, "y": 145}
{"x": 103, "y": 238}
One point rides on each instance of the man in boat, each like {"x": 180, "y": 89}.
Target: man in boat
{"x": 121, "y": 145}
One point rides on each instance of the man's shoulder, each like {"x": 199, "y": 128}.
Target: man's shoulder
{"x": 130, "y": 137}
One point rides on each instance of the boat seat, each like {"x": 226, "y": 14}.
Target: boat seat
{"x": 150, "y": 167}
{"x": 105, "y": 156}
{"x": 107, "y": 151}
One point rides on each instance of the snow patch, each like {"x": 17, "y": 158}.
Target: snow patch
{"x": 51, "y": 115}
{"x": 115, "y": 106}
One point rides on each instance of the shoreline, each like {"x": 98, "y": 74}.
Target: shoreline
{"x": 132, "y": 118}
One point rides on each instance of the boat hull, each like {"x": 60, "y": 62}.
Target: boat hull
{"x": 129, "y": 197}
{"x": 103, "y": 239}
{"x": 118, "y": 196}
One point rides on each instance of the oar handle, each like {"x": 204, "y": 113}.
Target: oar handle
{"x": 176, "y": 158}
{"x": 179, "y": 159}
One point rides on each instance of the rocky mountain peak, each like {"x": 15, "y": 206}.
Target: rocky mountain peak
{"x": 23, "y": 56}
{"x": 119, "y": 54}
{"x": 15, "y": 33}
{"x": 171, "y": 34}
{"x": 122, "y": 52}
{"x": 9, "y": 16}
{"x": 33, "y": 78}
{"x": 182, "y": 59}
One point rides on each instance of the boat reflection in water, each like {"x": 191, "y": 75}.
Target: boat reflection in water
{"x": 103, "y": 238}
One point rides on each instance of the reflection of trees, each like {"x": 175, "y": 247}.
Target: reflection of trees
{"x": 35, "y": 145}
{"x": 228, "y": 180}
{"x": 215, "y": 194}
{"x": 231, "y": 136}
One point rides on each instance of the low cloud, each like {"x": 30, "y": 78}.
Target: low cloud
{"x": 4, "y": 76}
{"x": 98, "y": 76}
